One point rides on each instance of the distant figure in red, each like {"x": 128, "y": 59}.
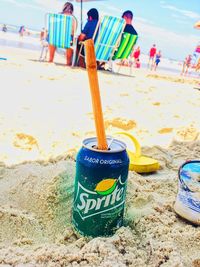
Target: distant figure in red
{"x": 152, "y": 53}
{"x": 136, "y": 54}
{"x": 186, "y": 65}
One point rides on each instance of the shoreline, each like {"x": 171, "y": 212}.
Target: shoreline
{"x": 32, "y": 43}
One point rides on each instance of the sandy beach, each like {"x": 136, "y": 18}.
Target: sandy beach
{"x": 45, "y": 114}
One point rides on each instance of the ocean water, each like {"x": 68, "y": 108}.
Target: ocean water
{"x": 11, "y": 38}
{"x": 32, "y": 42}
{"x": 19, "y": 44}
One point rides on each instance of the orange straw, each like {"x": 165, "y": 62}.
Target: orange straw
{"x": 95, "y": 94}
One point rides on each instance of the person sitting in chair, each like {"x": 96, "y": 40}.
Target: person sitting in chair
{"x": 90, "y": 26}
{"x": 68, "y": 9}
{"x": 128, "y": 16}
{"x": 87, "y": 32}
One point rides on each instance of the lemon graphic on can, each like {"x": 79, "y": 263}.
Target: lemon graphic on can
{"x": 106, "y": 187}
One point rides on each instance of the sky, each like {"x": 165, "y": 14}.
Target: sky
{"x": 168, "y": 24}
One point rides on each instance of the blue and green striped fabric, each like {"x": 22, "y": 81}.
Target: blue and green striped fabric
{"x": 126, "y": 46}
{"x": 60, "y": 30}
{"x": 109, "y": 33}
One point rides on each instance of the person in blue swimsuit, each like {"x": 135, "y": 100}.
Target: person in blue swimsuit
{"x": 157, "y": 60}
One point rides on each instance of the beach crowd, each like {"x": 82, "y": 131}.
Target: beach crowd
{"x": 88, "y": 32}
{"x": 75, "y": 53}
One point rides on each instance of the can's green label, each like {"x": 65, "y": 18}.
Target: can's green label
{"x": 107, "y": 198}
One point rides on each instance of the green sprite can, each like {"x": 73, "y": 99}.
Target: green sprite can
{"x": 100, "y": 188}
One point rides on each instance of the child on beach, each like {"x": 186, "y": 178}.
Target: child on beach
{"x": 44, "y": 39}
{"x": 136, "y": 54}
{"x": 68, "y": 9}
{"x": 186, "y": 65}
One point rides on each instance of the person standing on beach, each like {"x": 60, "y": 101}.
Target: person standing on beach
{"x": 44, "y": 39}
{"x": 42, "y": 33}
{"x": 68, "y": 9}
{"x": 4, "y": 28}
{"x": 21, "y": 31}
{"x": 186, "y": 65}
{"x": 152, "y": 53}
{"x": 157, "y": 60}
{"x": 137, "y": 63}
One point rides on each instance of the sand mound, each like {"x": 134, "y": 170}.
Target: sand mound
{"x": 35, "y": 217}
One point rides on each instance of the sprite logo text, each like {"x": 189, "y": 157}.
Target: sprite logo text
{"x": 109, "y": 194}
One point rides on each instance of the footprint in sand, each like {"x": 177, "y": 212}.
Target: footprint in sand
{"x": 165, "y": 130}
{"x": 120, "y": 123}
{"x": 124, "y": 94}
{"x": 25, "y": 141}
{"x": 156, "y": 103}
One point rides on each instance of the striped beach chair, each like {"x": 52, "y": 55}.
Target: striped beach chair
{"x": 60, "y": 29}
{"x": 126, "y": 46}
{"x": 107, "y": 37}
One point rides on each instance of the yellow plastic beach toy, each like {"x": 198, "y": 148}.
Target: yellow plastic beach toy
{"x": 139, "y": 163}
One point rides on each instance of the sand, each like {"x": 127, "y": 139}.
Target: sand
{"x": 45, "y": 114}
